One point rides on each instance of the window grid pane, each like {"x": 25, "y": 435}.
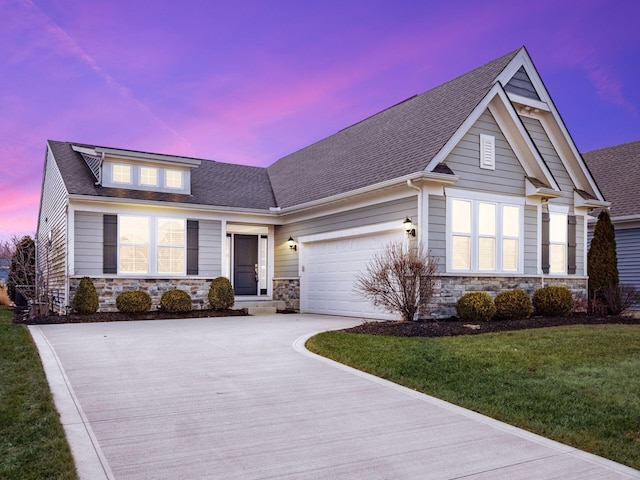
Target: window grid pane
{"x": 509, "y": 255}
{"x": 149, "y": 176}
{"x": 170, "y": 260}
{"x": 461, "y": 254}
{"x": 510, "y": 221}
{"x": 487, "y": 219}
{"x": 557, "y": 258}
{"x": 173, "y": 178}
{"x": 461, "y": 216}
{"x": 486, "y": 253}
{"x": 121, "y": 174}
{"x": 171, "y": 232}
{"x": 557, "y": 228}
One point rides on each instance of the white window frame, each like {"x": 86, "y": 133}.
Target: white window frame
{"x": 159, "y": 245}
{"x": 134, "y": 244}
{"x": 141, "y": 176}
{"x": 168, "y": 171}
{"x": 115, "y": 166}
{"x": 561, "y": 212}
{"x": 476, "y": 198}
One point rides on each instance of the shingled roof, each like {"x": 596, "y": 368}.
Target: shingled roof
{"x": 617, "y": 173}
{"x": 398, "y": 141}
{"x": 395, "y": 142}
{"x": 210, "y": 183}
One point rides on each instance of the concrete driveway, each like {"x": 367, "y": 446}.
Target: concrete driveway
{"x": 240, "y": 398}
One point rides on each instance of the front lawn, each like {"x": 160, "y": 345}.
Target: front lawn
{"x": 32, "y": 441}
{"x": 579, "y": 385}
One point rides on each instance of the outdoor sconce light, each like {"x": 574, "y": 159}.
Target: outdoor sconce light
{"x": 408, "y": 227}
{"x": 292, "y": 244}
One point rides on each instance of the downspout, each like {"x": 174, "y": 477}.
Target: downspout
{"x": 410, "y": 184}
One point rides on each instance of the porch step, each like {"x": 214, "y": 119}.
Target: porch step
{"x": 261, "y": 307}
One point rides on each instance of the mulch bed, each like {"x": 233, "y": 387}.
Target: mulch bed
{"x": 22, "y": 317}
{"x": 454, "y": 327}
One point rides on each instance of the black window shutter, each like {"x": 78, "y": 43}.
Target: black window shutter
{"x": 571, "y": 244}
{"x": 192, "y": 247}
{"x": 545, "y": 242}
{"x": 110, "y": 244}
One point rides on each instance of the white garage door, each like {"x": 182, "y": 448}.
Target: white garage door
{"x": 329, "y": 271}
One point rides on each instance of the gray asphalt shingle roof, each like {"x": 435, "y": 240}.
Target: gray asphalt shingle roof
{"x": 617, "y": 173}
{"x": 398, "y": 141}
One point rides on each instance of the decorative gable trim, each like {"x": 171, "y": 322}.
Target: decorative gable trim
{"x": 497, "y": 102}
{"x": 575, "y": 165}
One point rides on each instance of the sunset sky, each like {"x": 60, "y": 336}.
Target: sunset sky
{"x": 250, "y": 81}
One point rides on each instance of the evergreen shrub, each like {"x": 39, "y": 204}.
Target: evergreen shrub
{"x": 552, "y": 301}
{"x": 133, "y": 302}
{"x": 513, "y": 305}
{"x": 476, "y": 306}
{"x": 221, "y": 296}
{"x": 175, "y": 301}
{"x": 85, "y": 301}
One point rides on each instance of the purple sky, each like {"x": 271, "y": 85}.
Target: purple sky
{"x": 250, "y": 81}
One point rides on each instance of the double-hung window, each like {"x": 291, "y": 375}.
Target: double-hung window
{"x": 485, "y": 235}
{"x": 149, "y": 176}
{"x": 173, "y": 179}
{"x": 121, "y": 173}
{"x": 171, "y": 245}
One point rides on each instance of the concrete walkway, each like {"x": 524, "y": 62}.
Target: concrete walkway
{"x": 240, "y": 398}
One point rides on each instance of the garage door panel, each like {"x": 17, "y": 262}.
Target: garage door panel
{"x": 330, "y": 270}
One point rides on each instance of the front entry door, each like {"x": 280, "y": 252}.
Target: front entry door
{"x": 245, "y": 264}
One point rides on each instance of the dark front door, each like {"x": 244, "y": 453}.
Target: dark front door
{"x": 245, "y": 264}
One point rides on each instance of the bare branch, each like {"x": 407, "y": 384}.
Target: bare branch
{"x": 399, "y": 279}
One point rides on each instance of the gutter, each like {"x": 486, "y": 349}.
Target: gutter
{"x": 410, "y": 184}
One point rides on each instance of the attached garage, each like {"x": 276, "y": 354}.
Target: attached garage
{"x": 329, "y": 264}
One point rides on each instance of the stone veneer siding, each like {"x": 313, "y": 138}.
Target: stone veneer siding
{"x": 448, "y": 290}
{"x": 287, "y": 290}
{"x": 109, "y": 288}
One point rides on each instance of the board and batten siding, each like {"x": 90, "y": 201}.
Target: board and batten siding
{"x": 52, "y": 263}
{"x": 464, "y": 160}
{"x": 286, "y": 260}
{"x": 88, "y": 233}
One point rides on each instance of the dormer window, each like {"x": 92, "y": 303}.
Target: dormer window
{"x": 121, "y": 173}
{"x": 173, "y": 179}
{"x": 149, "y": 176}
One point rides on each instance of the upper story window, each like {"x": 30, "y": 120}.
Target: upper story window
{"x": 485, "y": 236}
{"x": 173, "y": 179}
{"x": 149, "y": 176}
{"x": 121, "y": 173}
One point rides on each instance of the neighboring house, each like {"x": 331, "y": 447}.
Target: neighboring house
{"x": 5, "y": 266}
{"x": 617, "y": 171}
{"x": 483, "y": 165}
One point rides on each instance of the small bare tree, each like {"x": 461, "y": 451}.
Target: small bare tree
{"x": 399, "y": 279}
{"x": 22, "y": 275}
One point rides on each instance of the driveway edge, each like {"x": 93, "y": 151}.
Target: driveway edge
{"x": 89, "y": 459}
{"x": 300, "y": 346}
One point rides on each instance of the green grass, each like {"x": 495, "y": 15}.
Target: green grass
{"x": 32, "y": 441}
{"x": 578, "y": 385}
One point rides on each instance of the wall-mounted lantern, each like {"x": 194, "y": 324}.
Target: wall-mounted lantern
{"x": 292, "y": 244}
{"x": 408, "y": 227}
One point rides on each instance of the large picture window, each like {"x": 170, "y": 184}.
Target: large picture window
{"x": 485, "y": 236}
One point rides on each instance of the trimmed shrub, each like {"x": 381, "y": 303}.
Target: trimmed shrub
{"x": 85, "y": 300}
{"x": 553, "y": 301}
{"x": 133, "y": 302}
{"x": 513, "y": 305}
{"x": 476, "y": 306}
{"x": 221, "y": 296}
{"x": 174, "y": 301}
